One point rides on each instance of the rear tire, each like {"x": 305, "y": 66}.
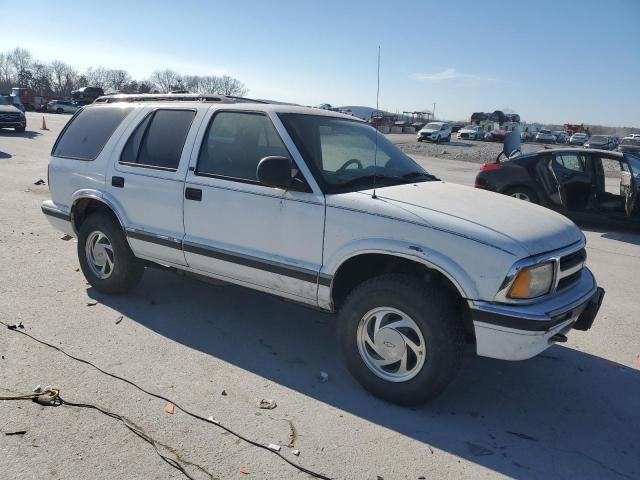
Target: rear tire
{"x": 105, "y": 258}
{"x": 523, "y": 193}
{"x": 59, "y": 110}
{"x": 429, "y": 341}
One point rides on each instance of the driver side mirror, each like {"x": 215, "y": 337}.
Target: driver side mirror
{"x": 275, "y": 172}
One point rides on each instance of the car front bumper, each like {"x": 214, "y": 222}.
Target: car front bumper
{"x": 12, "y": 124}
{"x": 519, "y": 332}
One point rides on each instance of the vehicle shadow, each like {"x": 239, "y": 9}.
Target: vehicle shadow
{"x": 5, "y": 155}
{"x": 30, "y": 134}
{"x": 627, "y": 237}
{"x": 563, "y": 414}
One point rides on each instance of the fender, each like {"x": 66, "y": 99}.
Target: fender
{"x": 103, "y": 197}
{"x": 410, "y": 251}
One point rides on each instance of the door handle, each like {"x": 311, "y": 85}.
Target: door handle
{"x": 117, "y": 182}
{"x": 194, "y": 194}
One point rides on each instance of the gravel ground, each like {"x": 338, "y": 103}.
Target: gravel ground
{"x": 569, "y": 413}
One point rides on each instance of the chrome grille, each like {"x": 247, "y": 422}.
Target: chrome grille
{"x": 9, "y": 117}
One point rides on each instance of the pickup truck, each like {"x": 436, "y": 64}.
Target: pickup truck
{"x": 319, "y": 208}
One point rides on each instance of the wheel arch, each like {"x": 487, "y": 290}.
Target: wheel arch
{"x": 362, "y": 265}
{"x": 87, "y": 202}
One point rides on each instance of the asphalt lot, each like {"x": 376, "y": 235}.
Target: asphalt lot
{"x": 569, "y": 413}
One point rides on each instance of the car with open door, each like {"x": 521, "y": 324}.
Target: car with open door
{"x": 589, "y": 186}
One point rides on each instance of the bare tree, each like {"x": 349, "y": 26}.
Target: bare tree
{"x": 41, "y": 78}
{"x": 20, "y": 59}
{"x": 117, "y": 79}
{"x": 210, "y": 84}
{"x": 232, "y": 87}
{"x": 166, "y": 80}
{"x": 64, "y": 78}
{"x": 96, "y": 77}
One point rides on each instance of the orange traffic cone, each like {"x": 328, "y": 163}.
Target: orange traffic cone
{"x": 44, "y": 124}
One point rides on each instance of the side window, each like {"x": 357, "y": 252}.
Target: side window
{"x": 234, "y": 144}
{"x": 570, "y": 161}
{"x": 87, "y": 133}
{"x": 159, "y": 139}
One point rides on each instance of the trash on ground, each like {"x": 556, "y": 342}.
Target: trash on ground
{"x": 323, "y": 377}
{"x": 170, "y": 408}
{"x": 118, "y": 320}
{"x": 274, "y": 447}
{"x": 15, "y": 326}
{"x": 224, "y": 393}
{"x": 39, "y": 182}
{"x": 268, "y": 404}
{"x": 66, "y": 237}
{"x": 296, "y": 452}
{"x": 213, "y": 420}
{"x": 244, "y": 471}
{"x": 19, "y": 432}
{"x": 92, "y": 303}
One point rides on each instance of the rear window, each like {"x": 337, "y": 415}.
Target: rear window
{"x": 87, "y": 133}
{"x": 159, "y": 139}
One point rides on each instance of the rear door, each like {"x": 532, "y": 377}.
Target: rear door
{"x": 570, "y": 182}
{"x": 147, "y": 180}
{"x": 237, "y": 228}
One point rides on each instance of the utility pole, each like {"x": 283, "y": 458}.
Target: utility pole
{"x": 434, "y": 111}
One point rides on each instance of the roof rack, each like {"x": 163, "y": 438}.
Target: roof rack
{"x": 172, "y": 97}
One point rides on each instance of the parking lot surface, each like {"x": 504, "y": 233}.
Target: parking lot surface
{"x": 217, "y": 350}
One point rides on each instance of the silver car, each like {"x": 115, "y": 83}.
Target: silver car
{"x": 62, "y": 106}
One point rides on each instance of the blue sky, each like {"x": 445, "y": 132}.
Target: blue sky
{"x": 550, "y": 61}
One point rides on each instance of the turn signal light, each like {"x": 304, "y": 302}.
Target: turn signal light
{"x": 490, "y": 167}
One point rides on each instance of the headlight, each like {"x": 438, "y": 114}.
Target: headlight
{"x": 532, "y": 282}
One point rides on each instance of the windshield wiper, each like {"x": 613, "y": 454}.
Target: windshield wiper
{"x": 419, "y": 174}
{"x": 370, "y": 179}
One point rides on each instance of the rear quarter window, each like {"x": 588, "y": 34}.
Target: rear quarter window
{"x": 87, "y": 132}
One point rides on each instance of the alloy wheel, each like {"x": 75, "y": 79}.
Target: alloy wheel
{"x": 391, "y": 344}
{"x": 99, "y": 254}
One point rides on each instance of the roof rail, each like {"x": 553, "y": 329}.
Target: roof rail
{"x": 172, "y": 97}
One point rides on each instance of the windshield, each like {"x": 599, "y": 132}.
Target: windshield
{"x": 432, "y": 126}
{"x": 3, "y": 101}
{"x": 579, "y": 135}
{"x": 631, "y": 141}
{"x": 343, "y": 157}
{"x": 469, "y": 127}
{"x": 598, "y": 139}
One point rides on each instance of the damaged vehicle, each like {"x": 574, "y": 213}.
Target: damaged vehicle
{"x": 319, "y": 208}
{"x": 572, "y": 181}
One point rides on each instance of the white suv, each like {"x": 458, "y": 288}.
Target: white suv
{"x": 317, "y": 207}
{"x": 435, "y": 131}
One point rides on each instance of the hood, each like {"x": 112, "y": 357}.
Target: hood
{"x": 9, "y": 109}
{"x": 467, "y": 130}
{"x": 429, "y": 130}
{"x": 499, "y": 220}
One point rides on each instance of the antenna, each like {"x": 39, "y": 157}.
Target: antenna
{"x": 375, "y": 152}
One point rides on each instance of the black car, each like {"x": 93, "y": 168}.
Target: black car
{"x": 601, "y": 142}
{"x": 572, "y": 182}
{"x": 87, "y": 95}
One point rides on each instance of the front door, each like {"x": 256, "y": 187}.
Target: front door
{"x": 239, "y": 229}
{"x": 147, "y": 180}
{"x": 630, "y": 186}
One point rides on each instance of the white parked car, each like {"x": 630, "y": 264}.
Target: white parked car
{"x": 319, "y": 208}
{"x": 545, "y": 136}
{"x": 435, "y": 132}
{"x": 471, "y": 132}
{"x": 578, "y": 138}
{"x": 62, "y": 106}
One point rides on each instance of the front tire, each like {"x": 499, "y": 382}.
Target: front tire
{"x": 402, "y": 338}
{"x": 105, "y": 258}
{"x": 59, "y": 110}
{"x": 20, "y": 129}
